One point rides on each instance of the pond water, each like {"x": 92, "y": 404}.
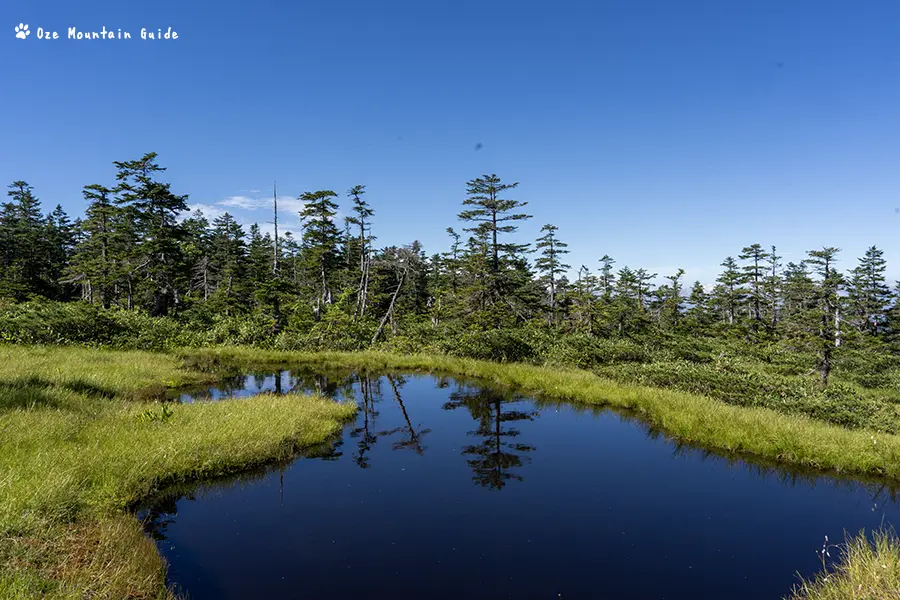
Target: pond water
{"x": 448, "y": 489}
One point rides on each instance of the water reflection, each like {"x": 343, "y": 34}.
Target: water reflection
{"x": 494, "y": 459}
{"x": 497, "y": 455}
{"x": 584, "y": 494}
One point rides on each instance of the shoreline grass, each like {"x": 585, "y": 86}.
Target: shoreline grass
{"x": 867, "y": 570}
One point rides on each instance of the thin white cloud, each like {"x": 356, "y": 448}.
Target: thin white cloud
{"x": 210, "y": 211}
{"x": 245, "y": 202}
{"x": 286, "y": 204}
{"x": 269, "y": 228}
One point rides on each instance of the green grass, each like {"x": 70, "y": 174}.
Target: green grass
{"x": 866, "y": 571}
{"x": 787, "y": 438}
{"x": 80, "y": 443}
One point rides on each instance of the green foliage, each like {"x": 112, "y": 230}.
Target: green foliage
{"x": 585, "y": 352}
{"x": 58, "y": 323}
{"x": 500, "y": 345}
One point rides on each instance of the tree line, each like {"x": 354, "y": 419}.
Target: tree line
{"x": 133, "y": 250}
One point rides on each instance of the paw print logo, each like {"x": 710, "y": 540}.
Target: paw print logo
{"x": 22, "y": 31}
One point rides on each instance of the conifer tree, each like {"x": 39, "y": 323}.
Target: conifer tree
{"x": 822, "y": 262}
{"x": 361, "y": 218}
{"x": 868, "y": 292}
{"x": 320, "y": 244}
{"x": 25, "y": 250}
{"x": 155, "y": 209}
{"x": 549, "y": 264}
{"x": 228, "y": 258}
{"x": 493, "y": 215}
{"x": 699, "y": 312}
{"x": 729, "y": 292}
{"x": 754, "y": 275}
{"x": 772, "y": 286}
{"x": 607, "y": 277}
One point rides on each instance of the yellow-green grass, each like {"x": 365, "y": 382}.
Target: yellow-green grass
{"x": 80, "y": 444}
{"x": 866, "y": 571}
{"x": 790, "y": 439}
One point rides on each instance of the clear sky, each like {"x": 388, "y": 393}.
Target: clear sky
{"x": 666, "y": 134}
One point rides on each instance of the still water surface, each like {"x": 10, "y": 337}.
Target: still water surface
{"x": 442, "y": 489}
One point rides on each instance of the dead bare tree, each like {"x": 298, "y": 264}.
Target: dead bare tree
{"x": 403, "y": 260}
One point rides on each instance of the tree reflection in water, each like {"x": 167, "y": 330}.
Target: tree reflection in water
{"x": 494, "y": 458}
{"x": 369, "y": 389}
{"x": 415, "y": 438}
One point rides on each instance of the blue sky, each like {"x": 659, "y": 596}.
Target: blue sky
{"x": 666, "y": 134}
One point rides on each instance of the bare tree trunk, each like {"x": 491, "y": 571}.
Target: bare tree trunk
{"x": 837, "y": 327}
{"x": 275, "y": 212}
{"x": 390, "y": 309}
{"x": 362, "y": 290}
{"x": 365, "y": 291}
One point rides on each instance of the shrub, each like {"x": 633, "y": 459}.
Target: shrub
{"x": 42, "y": 322}
{"x": 500, "y": 345}
{"x": 585, "y": 352}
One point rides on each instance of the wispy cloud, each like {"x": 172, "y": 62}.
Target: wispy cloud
{"x": 286, "y": 204}
{"x": 251, "y": 207}
{"x": 210, "y": 211}
{"x": 269, "y": 228}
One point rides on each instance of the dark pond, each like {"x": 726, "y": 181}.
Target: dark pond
{"x": 442, "y": 489}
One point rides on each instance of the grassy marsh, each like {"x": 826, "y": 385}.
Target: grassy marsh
{"x": 83, "y": 439}
{"x": 81, "y": 442}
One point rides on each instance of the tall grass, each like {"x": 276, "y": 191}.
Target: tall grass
{"x": 866, "y": 571}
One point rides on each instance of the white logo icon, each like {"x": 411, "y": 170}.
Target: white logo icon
{"x": 22, "y": 31}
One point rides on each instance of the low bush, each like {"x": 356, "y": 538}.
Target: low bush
{"x": 58, "y": 323}
{"x": 585, "y": 352}
{"x": 499, "y": 345}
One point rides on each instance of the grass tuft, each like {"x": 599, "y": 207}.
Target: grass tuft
{"x": 867, "y": 570}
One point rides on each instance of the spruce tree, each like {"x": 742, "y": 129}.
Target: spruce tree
{"x": 493, "y": 215}
{"x": 729, "y": 292}
{"x": 607, "y": 277}
{"x": 822, "y": 262}
{"x": 155, "y": 209}
{"x": 59, "y": 235}
{"x": 228, "y": 258}
{"x": 549, "y": 264}
{"x": 868, "y": 292}
{"x": 754, "y": 275}
{"x": 361, "y": 218}
{"x": 320, "y": 244}
{"x": 25, "y": 253}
